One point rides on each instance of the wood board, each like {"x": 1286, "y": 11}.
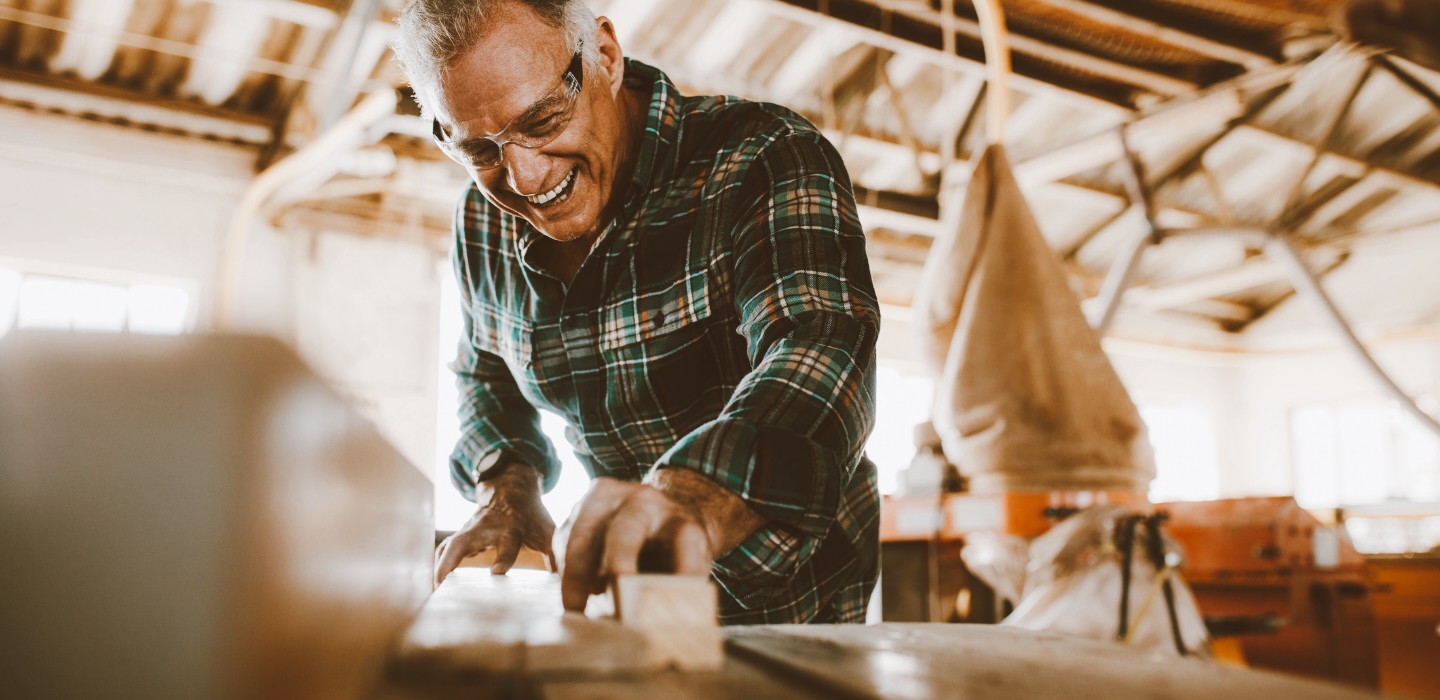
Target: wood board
{"x": 990, "y": 662}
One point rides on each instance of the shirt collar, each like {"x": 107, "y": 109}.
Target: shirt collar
{"x": 662, "y": 127}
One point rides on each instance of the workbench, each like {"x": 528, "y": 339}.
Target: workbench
{"x": 506, "y": 636}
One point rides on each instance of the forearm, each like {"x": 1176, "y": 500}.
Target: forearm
{"x": 725, "y": 516}
{"x": 497, "y": 424}
{"x": 795, "y": 427}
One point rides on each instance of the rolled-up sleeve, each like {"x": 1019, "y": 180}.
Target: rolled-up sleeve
{"x": 792, "y": 434}
{"x": 497, "y": 424}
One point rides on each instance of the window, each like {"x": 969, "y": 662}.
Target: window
{"x": 1376, "y": 461}
{"x": 1186, "y": 463}
{"x": 71, "y": 303}
{"x": 901, "y": 402}
{"x": 1360, "y": 454}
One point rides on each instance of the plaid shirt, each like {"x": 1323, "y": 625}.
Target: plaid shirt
{"x": 725, "y": 322}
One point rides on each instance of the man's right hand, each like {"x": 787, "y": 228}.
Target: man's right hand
{"x": 510, "y": 515}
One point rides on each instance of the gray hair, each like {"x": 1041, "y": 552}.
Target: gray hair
{"x": 434, "y": 32}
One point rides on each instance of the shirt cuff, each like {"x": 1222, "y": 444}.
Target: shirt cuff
{"x": 471, "y": 464}
{"x": 763, "y": 566}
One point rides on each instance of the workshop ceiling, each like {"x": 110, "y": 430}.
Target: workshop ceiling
{"x": 1228, "y": 103}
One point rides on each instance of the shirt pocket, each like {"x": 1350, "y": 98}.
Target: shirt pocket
{"x": 659, "y": 365}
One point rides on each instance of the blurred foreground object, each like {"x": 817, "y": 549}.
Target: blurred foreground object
{"x": 196, "y": 517}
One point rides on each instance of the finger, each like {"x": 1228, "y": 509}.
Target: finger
{"x": 586, "y": 531}
{"x": 507, "y": 548}
{"x": 692, "y": 550}
{"x": 455, "y": 551}
{"x": 624, "y": 537}
{"x": 543, "y": 545}
{"x": 438, "y": 576}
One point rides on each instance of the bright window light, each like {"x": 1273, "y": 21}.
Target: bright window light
{"x": 901, "y": 402}
{"x": 98, "y": 307}
{"x": 1316, "y": 459}
{"x": 1186, "y": 460}
{"x": 1362, "y": 453}
{"x": 47, "y": 302}
{"x": 63, "y": 303}
{"x": 158, "y": 309}
{"x": 9, "y": 297}
{"x": 574, "y": 481}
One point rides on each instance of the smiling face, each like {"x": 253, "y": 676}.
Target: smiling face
{"x": 508, "y": 81}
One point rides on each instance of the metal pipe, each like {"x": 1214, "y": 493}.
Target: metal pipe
{"x": 347, "y": 133}
{"x": 996, "y": 40}
{"x": 1282, "y": 248}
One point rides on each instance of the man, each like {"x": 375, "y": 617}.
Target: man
{"x": 684, "y": 281}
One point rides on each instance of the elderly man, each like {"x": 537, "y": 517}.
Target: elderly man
{"x": 684, "y": 281}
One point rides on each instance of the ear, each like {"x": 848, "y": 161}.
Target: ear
{"x": 612, "y": 59}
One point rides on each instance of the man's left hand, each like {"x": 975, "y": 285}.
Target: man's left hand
{"x": 675, "y": 522}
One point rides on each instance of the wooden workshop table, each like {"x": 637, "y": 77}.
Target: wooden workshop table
{"x": 506, "y": 637}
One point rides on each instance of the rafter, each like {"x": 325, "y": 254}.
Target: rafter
{"x": 167, "y": 46}
{"x": 1175, "y": 37}
{"x": 925, "y": 39}
{"x": 1150, "y": 81}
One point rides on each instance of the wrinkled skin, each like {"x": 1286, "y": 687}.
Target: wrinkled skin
{"x": 678, "y": 520}
{"x": 510, "y": 515}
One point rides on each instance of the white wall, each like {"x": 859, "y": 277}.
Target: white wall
{"x": 88, "y": 198}
{"x": 1252, "y": 396}
{"x": 97, "y": 195}
{"x": 367, "y": 318}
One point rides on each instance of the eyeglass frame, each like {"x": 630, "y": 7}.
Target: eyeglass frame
{"x": 572, "y": 80}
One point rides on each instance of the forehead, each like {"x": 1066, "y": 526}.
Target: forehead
{"x": 517, "y": 60}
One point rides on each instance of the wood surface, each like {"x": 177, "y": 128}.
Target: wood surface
{"x": 478, "y": 622}
{"x": 486, "y": 626}
{"x": 196, "y": 517}
{"x": 988, "y": 662}
{"x": 679, "y": 616}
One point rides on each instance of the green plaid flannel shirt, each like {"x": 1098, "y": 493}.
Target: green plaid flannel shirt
{"x": 725, "y": 322}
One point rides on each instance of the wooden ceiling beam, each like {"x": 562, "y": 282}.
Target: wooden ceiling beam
{"x": 171, "y": 47}
{"x": 1175, "y": 37}
{"x": 1255, "y": 273}
{"x": 925, "y": 39}
{"x": 1150, "y": 81}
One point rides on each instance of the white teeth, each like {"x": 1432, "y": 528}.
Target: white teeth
{"x": 545, "y": 197}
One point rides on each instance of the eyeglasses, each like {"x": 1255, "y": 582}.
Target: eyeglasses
{"x": 539, "y": 125}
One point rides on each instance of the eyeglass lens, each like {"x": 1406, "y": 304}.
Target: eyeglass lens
{"x": 486, "y": 152}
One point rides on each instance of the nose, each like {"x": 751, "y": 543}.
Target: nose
{"x": 525, "y": 170}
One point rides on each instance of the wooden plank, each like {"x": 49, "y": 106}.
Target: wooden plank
{"x": 1175, "y": 37}
{"x": 679, "y": 616}
{"x": 485, "y": 626}
{"x": 735, "y": 680}
{"x": 197, "y": 517}
{"x": 988, "y": 662}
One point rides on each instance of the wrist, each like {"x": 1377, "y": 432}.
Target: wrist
{"x": 512, "y": 478}
{"x": 725, "y": 517}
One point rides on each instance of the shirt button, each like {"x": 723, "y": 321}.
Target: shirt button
{"x": 659, "y": 319}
